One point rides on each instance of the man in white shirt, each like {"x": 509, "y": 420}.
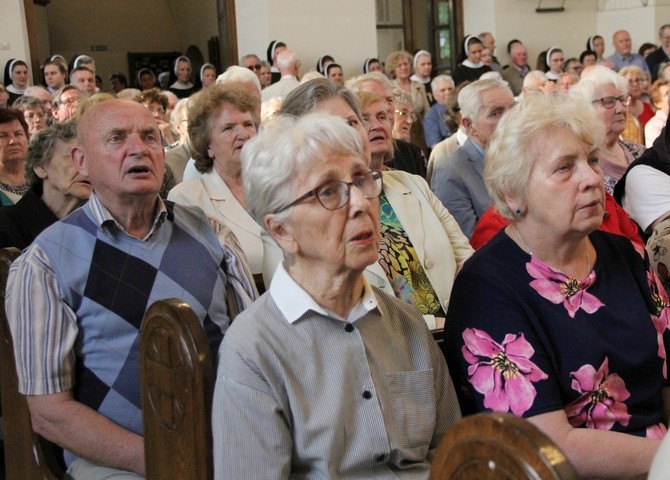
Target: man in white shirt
{"x": 289, "y": 66}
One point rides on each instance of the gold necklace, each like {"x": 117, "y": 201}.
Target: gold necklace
{"x": 530, "y": 252}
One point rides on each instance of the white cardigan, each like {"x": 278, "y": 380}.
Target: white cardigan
{"x": 211, "y": 193}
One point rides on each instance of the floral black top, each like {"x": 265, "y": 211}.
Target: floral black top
{"x": 521, "y": 336}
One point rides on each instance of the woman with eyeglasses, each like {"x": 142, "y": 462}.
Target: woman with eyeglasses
{"x": 608, "y": 93}
{"x": 157, "y": 104}
{"x": 34, "y": 112}
{"x": 639, "y": 111}
{"x": 422, "y": 245}
{"x": 403, "y": 116}
{"x": 325, "y": 376}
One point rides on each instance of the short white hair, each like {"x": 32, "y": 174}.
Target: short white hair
{"x": 286, "y": 146}
{"x": 286, "y": 59}
{"x": 512, "y": 150}
{"x": 235, "y": 73}
{"x": 595, "y": 77}
{"x": 441, "y": 78}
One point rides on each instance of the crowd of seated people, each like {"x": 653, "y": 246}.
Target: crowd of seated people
{"x": 300, "y": 204}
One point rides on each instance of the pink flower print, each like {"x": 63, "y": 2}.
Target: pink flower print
{"x": 601, "y": 402}
{"x": 557, "y": 287}
{"x": 656, "y": 432}
{"x": 503, "y": 373}
{"x": 661, "y": 315}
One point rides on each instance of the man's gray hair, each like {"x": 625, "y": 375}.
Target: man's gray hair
{"x": 286, "y": 59}
{"x": 470, "y": 97}
{"x": 249, "y": 55}
{"x": 441, "y": 78}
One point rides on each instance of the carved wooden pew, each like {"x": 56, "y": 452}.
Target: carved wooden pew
{"x": 27, "y": 455}
{"x": 177, "y": 376}
{"x": 496, "y": 446}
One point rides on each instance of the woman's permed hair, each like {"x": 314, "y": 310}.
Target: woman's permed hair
{"x": 206, "y": 104}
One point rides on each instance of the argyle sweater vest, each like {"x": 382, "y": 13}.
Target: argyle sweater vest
{"x": 109, "y": 279}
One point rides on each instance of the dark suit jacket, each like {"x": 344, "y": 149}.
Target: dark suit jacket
{"x": 654, "y": 60}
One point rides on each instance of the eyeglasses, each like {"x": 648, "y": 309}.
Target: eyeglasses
{"x": 69, "y": 101}
{"x": 609, "y": 102}
{"x": 254, "y": 67}
{"x": 406, "y": 113}
{"x": 335, "y": 194}
{"x": 637, "y": 80}
{"x": 156, "y": 111}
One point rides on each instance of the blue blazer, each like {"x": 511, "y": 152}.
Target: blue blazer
{"x": 459, "y": 183}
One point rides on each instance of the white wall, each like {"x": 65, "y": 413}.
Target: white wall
{"x": 13, "y": 33}
{"x": 617, "y": 14}
{"x": 509, "y": 19}
{"x": 195, "y": 22}
{"x": 344, "y": 29}
{"x": 121, "y": 26}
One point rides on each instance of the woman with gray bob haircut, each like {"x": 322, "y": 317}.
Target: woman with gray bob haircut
{"x": 56, "y": 187}
{"x": 289, "y": 365}
{"x": 552, "y": 319}
{"x": 313, "y": 93}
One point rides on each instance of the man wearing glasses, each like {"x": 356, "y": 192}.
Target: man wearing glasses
{"x": 253, "y": 63}
{"x": 65, "y": 103}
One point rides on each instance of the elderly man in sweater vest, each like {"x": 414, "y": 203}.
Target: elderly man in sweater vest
{"x": 76, "y": 297}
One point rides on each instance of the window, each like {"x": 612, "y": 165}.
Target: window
{"x": 414, "y": 25}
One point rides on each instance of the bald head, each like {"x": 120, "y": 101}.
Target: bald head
{"x": 119, "y": 149}
{"x": 622, "y": 42}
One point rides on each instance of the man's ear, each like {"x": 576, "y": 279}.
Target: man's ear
{"x": 78, "y": 158}
{"x": 468, "y": 125}
{"x": 281, "y": 233}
